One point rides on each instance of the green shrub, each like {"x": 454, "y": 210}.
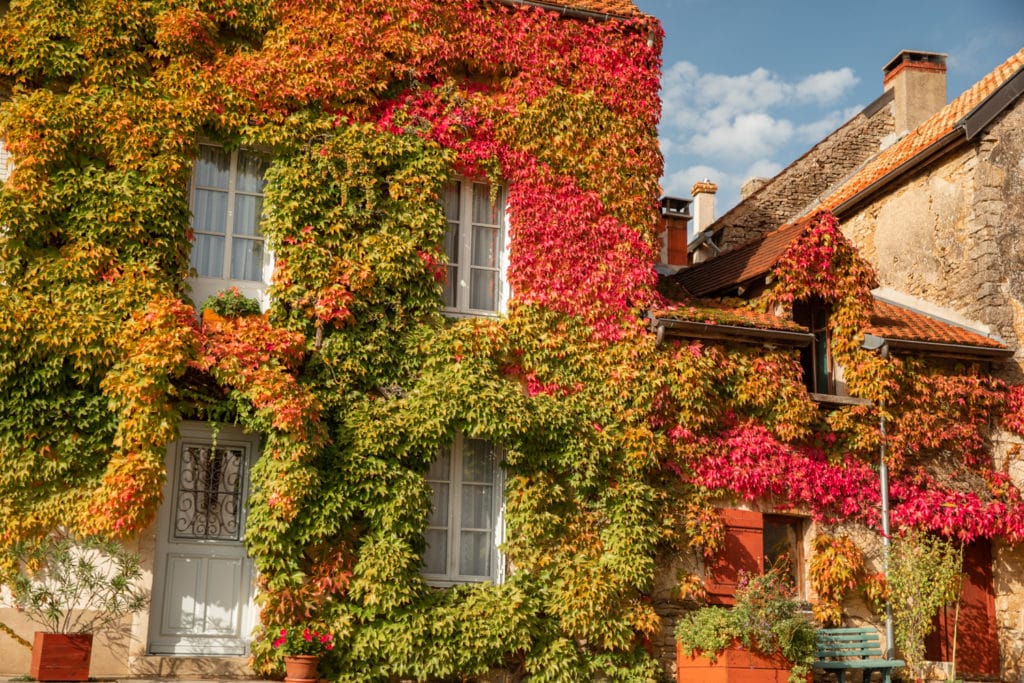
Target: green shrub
{"x": 764, "y": 619}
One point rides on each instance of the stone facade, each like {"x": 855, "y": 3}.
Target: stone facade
{"x": 953, "y": 234}
{"x": 802, "y": 184}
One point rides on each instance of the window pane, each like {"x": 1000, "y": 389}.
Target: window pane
{"x": 440, "y": 468}
{"x": 250, "y": 170}
{"x": 246, "y": 259}
{"x": 476, "y": 506}
{"x": 435, "y": 558}
{"x": 478, "y": 461}
{"x": 248, "y": 211}
{"x": 452, "y": 195}
{"x": 451, "y": 243}
{"x": 439, "y": 504}
{"x": 780, "y": 546}
{"x": 451, "y": 288}
{"x": 483, "y": 294}
{"x": 475, "y": 553}
{"x": 483, "y": 210}
{"x": 213, "y": 168}
{"x": 210, "y": 211}
{"x": 208, "y": 255}
{"x": 485, "y": 246}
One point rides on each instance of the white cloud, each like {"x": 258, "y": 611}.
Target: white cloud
{"x": 725, "y": 97}
{"x": 762, "y": 168}
{"x": 679, "y": 183}
{"x": 826, "y": 87}
{"x": 729, "y": 128}
{"x": 747, "y": 136}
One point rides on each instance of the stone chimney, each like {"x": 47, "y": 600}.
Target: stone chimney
{"x": 918, "y": 82}
{"x": 703, "y": 204}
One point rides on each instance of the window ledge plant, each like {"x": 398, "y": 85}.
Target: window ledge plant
{"x": 765, "y": 619}
{"x": 231, "y": 303}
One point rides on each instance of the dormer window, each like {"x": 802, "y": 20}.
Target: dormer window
{"x": 816, "y": 359}
{"x": 474, "y": 244}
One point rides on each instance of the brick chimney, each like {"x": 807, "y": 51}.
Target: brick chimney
{"x": 703, "y": 204}
{"x": 918, "y": 82}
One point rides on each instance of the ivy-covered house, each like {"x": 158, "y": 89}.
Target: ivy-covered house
{"x": 446, "y": 211}
{"x": 456, "y": 437}
{"x": 912, "y": 253}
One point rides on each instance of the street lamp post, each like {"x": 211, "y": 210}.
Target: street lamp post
{"x": 871, "y": 343}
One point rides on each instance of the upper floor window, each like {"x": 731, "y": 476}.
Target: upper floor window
{"x": 227, "y": 203}
{"x": 816, "y": 359}
{"x": 474, "y": 244}
{"x": 462, "y": 534}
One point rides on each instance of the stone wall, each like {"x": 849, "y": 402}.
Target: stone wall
{"x": 953, "y": 234}
{"x": 800, "y": 186}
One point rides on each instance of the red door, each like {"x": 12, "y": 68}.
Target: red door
{"x": 977, "y": 645}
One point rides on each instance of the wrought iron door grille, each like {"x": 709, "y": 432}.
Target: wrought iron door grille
{"x": 208, "y": 501}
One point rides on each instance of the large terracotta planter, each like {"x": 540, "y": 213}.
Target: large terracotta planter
{"x": 301, "y": 668}
{"x": 734, "y": 665}
{"x": 61, "y": 656}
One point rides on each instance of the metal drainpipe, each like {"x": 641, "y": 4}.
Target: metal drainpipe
{"x": 883, "y": 475}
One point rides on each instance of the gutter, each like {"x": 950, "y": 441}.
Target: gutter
{"x": 939, "y": 348}
{"x": 563, "y": 10}
{"x": 685, "y": 328}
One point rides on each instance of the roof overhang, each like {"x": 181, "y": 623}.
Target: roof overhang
{"x": 938, "y": 349}
{"x": 563, "y": 10}
{"x": 688, "y": 329}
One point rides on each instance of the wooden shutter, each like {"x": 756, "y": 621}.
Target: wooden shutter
{"x": 977, "y": 644}
{"x": 742, "y": 552}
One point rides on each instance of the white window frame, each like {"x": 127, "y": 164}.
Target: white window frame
{"x": 6, "y": 163}
{"x": 206, "y": 286}
{"x": 465, "y": 252}
{"x": 452, "y": 576}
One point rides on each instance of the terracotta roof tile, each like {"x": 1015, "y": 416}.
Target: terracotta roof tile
{"x": 738, "y": 265}
{"x": 892, "y": 321}
{"x": 619, "y": 8}
{"x": 916, "y": 141}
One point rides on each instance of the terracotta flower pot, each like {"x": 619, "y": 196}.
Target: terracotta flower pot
{"x": 61, "y": 656}
{"x": 301, "y": 668}
{"x": 735, "y": 664}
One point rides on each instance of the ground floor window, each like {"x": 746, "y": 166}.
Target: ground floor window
{"x": 465, "y": 522}
{"x": 753, "y": 543}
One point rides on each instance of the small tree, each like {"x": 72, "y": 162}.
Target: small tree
{"x": 77, "y": 585}
{"x": 924, "y": 575}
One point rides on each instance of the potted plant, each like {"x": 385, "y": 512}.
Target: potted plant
{"x": 73, "y": 588}
{"x": 302, "y": 648}
{"x": 763, "y": 630}
{"x": 229, "y": 303}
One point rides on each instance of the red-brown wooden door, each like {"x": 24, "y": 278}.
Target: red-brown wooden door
{"x": 977, "y": 644}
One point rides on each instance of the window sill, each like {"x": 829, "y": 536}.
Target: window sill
{"x": 837, "y": 400}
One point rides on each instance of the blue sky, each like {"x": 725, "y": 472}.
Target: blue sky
{"x": 748, "y": 86}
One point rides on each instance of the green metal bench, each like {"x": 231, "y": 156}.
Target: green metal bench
{"x": 846, "y": 649}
